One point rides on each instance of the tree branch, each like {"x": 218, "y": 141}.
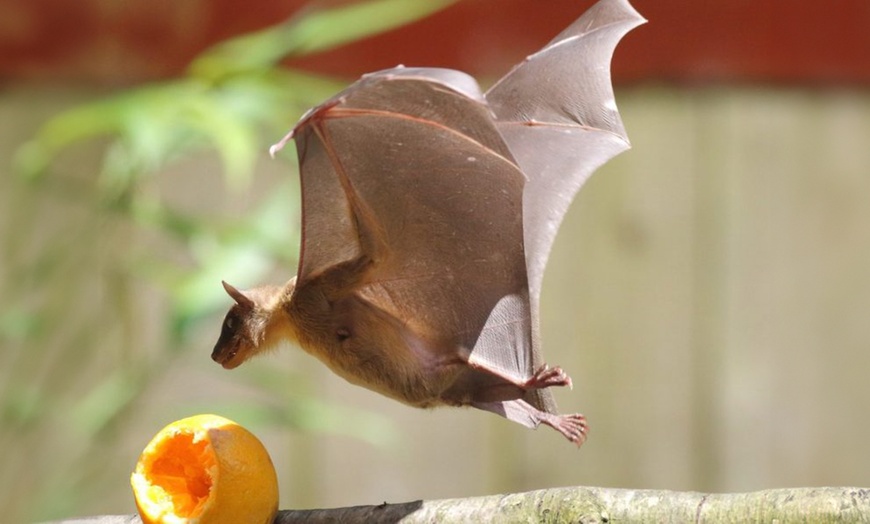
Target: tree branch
{"x": 591, "y": 505}
{"x": 579, "y": 504}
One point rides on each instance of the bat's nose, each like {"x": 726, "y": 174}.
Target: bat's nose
{"x": 225, "y": 356}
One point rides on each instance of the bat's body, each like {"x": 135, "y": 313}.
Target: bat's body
{"x": 429, "y": 210}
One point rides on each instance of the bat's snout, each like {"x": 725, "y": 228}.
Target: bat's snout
{"x": 226, "y": 356}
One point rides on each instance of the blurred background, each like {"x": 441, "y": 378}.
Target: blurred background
{"x": 709, "y": 291}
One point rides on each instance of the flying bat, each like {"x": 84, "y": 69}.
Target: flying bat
{"x": 428, "y": 212}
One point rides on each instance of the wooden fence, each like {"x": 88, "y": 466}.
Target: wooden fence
{"x": 709, "y": 293}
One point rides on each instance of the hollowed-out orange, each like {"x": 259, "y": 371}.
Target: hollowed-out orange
{"x": 207, "y": 470}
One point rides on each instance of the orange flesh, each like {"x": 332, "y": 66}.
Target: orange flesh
{"x": 181, "y": 470}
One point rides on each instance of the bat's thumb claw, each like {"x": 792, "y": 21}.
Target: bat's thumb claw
{"x": 274, "y": 148}
{"x": 280, "y": 145}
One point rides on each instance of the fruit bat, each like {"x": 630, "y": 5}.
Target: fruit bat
{"x": 428, "y": 213}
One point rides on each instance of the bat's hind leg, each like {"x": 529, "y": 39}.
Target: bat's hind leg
{"x": 485, "y": 386}
{"x": 507, "y": 386}
{"x": 573, "y": 427}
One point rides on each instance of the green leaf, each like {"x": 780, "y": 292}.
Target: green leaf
{"x": 82, "y": 122}
{"x": 149, "y": 211}
{"x": 329, "y": 29}
{"x": 231, "y": 136}
{"x": 314, "y": 32}
{"x": 306, "y": 89}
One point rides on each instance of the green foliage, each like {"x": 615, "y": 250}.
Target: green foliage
{"x": 314, "y": 32}
{"x": 76, "y": 287}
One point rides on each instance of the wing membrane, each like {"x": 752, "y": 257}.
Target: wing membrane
{"x": 417, "y": 155}
{"x": 557, "y": 113}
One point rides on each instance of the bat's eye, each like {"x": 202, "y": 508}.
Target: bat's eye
{"x": 342, "y": 334}
{"x": 229, "y": 323}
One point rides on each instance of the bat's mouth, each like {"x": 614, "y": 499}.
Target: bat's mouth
{"x": 227, "y": 358}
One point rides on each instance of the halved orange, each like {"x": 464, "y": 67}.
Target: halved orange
{"x": 207, "y": 470}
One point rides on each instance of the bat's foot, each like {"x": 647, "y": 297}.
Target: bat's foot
{"x": 546, "y": 377}
{"x": 573, "y": 427}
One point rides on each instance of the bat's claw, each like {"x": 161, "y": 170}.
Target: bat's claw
{"x": 546, "y": 377}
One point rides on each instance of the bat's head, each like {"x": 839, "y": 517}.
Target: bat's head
{"x": 255, "y": 323}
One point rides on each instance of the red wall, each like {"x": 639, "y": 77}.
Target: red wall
{"x": 781, "y": 41}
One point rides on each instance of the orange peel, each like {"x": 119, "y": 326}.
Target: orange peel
{"x": 205, "y": 469}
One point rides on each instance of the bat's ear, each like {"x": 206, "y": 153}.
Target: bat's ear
{"x": 240, "y": 298}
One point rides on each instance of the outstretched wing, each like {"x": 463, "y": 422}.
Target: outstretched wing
{"x": 407, "y": 169}
{"x": 557, "y": 113}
